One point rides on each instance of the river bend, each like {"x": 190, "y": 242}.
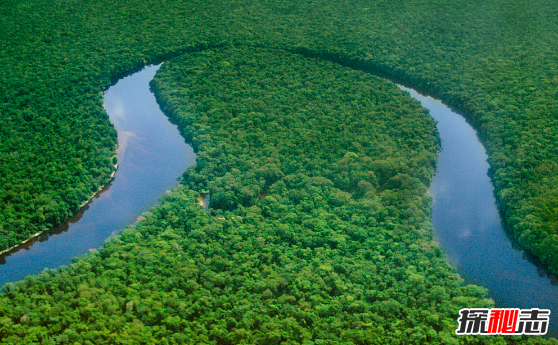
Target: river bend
{"x": 152, "y": 155}
{"x": 468, "y": 225}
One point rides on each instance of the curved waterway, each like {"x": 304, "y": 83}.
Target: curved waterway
{"x": 468, "y": 225}
{"x": 152, "y": 156}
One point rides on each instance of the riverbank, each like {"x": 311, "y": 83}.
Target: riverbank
{"x": 149, "y": 163}
{"x": 468, "y": 224}
{"x": 81, "y": 207}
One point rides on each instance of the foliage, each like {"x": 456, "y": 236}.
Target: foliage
{"x": 495, "y": 61}
{"x": 290, "y": 256}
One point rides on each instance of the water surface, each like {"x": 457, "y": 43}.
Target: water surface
{"x": 468, "y": 225}
{"x": 152, "y": 155}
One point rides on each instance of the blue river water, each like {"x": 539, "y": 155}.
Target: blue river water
{"x": 468, "y": 225}
{"x": 152, "y": 155}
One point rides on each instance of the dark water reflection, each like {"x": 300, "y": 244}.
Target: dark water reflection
{"x": 468, "y": 225}
{"x": 151, "y": 156}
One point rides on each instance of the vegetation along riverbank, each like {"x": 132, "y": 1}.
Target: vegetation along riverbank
{"x": 335, "y": 207}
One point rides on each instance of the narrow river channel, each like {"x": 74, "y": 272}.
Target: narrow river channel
{"x": 152, "y": 156}
{"x": 468, "y": 226}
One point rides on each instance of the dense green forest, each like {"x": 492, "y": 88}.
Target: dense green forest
{"x": 494, "y": 61}
{"x": 320, "y": 231}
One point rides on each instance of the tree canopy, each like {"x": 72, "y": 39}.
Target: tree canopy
{"x": 336, "y": 193}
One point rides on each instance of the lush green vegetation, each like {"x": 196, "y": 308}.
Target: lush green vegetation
{"x": 321, "y": 232}
{"x": 57, "y": 144}
{"x": 495, "y": 61}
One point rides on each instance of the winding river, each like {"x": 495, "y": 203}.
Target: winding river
{"x": 153, "y": 155}
{"x": 467, "y": 223}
